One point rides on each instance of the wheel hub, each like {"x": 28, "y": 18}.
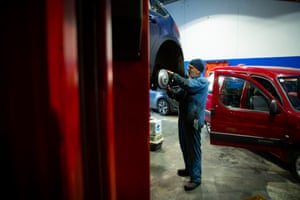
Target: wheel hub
{"x": 162, "y": 107}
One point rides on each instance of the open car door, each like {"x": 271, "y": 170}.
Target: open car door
{"x": 245, "y": 114}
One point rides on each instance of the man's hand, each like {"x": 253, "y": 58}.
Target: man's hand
{"x": 170, "y": 72}
{"x": 169, "y": 89}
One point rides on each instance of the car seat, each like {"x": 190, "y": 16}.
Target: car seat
{"x": 258, "y": 101}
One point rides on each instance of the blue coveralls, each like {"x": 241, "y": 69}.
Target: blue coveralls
{"x": 192, "y": 100}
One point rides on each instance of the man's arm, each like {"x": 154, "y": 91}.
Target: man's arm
{"x": 189, "y": 84}
{"x": 176, "y": 93}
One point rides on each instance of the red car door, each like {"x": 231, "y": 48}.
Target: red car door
{"x": 240, "y": 114}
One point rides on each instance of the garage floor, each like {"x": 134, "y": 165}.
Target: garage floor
{"x": 228, "y": 173}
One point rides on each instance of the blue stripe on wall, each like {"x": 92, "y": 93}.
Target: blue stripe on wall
{"x": 291, "y": 61}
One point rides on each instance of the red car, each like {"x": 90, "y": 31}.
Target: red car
{"x": 258, "y": 108}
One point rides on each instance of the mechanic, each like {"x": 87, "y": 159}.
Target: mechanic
{"x": 191, "y": 93}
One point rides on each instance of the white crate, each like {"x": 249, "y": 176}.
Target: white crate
{"x": 156, "y": 138}
{"x": 155, "y": 126}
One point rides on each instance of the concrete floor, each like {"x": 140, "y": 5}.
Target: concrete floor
{"x": 227, "y": 173}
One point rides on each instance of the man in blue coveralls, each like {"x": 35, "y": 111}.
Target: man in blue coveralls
{"x": 191, "y": 93}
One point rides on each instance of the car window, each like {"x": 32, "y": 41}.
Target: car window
{"x": 241, "y": 94}
{"x": 230, "y": 90}
{"x": 269, "y": 86}
{"x": 291, "y": 86}
{"x": 210, "y": 79}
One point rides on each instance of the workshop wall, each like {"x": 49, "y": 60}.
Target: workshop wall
{"x": 255, "y": 32}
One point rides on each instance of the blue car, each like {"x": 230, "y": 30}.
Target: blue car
{"x": 162, "y": 103}
{"x": 165, "y": 47}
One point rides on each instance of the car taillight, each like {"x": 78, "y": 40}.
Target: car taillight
{"x": 177, "y": 30}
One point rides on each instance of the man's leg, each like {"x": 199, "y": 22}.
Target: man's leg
{"x": 182, "y": 142}
{"x": 194, "y": 157}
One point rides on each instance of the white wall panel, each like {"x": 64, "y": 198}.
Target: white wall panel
{"x": 220, "y": 29}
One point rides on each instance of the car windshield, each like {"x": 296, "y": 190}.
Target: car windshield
{"x": 291, "y": 86}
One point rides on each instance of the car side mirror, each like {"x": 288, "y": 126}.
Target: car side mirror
{"x": 273, "y": 107}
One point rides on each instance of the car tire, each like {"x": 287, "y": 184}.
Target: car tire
{"x": 163, "y": 107}
{"x": 296, "y": 165}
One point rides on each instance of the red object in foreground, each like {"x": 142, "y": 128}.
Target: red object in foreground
{"x": 68, "y": 130}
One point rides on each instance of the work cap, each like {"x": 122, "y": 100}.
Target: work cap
{"x": 198, "y": 64}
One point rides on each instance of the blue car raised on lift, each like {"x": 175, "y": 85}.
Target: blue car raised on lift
{"x": 165, "y": 47}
